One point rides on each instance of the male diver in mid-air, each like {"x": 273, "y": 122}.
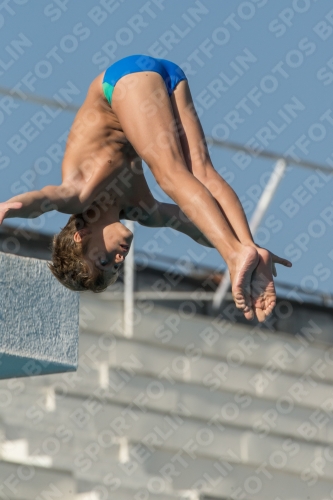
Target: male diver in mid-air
{"x": 141, "y": 108}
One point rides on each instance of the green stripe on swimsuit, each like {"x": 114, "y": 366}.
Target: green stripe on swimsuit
{"x": 108, "y": 90}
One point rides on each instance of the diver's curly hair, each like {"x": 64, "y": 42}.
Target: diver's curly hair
{"x": 68, "y": 264}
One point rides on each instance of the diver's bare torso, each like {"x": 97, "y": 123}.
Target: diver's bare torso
{"x": 99, "y": 161}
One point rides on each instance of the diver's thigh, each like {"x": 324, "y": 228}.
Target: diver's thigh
{"x": 143, "y": 107}
{"x": 190, "y": 130}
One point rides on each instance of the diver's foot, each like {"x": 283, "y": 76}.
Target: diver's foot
{"x": 262, "y": 286}
{"x": 241, "y": 271}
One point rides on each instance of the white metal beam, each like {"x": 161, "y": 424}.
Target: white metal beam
{"x": 129, "y": 287}
{"x": 258, "y": 214}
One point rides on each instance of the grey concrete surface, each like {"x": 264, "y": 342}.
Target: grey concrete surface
{"x": 39, "y": 320}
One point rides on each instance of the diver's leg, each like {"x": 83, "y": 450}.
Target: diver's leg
{"x": 198, "y": 160}
{"x": 146, "y": 116}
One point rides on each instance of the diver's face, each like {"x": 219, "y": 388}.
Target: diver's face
{"x": 108, "y": 246}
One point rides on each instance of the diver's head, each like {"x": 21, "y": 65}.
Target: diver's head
{"x": 88, "y": 254}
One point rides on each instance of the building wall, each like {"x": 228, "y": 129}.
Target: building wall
{"x": 186, "y": 407}
{"x": 192, "y": 406}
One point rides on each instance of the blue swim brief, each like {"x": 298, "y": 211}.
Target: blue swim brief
{"x": 169, "y": 71}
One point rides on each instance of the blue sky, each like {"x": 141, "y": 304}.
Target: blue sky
{"x": 260, "y": 72}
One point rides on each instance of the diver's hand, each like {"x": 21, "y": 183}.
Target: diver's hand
{"x": 6, "y": 206}
{"x": 277, "y": 260}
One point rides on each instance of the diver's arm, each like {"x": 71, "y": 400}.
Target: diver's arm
{"x": 170, "y": 215}
{"x": 35, "y": 203}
